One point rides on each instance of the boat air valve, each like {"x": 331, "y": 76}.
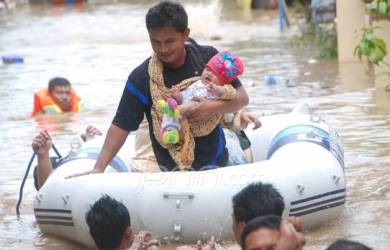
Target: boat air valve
{"x": 315, "y": 118}
{"x": 177, "y": 231}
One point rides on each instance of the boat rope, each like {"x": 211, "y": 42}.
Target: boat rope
{"x": 26, "y": 174}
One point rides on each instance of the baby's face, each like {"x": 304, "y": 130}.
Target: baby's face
{"x": 208, "y": 77}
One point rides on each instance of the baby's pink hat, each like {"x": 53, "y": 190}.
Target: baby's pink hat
{"x": 225, "y": 66}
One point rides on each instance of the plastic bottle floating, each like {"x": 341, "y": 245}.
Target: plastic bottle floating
{"x": 275, "y": 80}
{"x": 8, "y": 59}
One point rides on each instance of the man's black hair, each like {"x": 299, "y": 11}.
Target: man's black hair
{"x": 271, "y": 222}
{"x": 107, "y": 221}
{"x": 58, "y": 81}
{"x": 255, "y": 200}
{"x": 347, "y": 245}
{"x": 167, "y": 14}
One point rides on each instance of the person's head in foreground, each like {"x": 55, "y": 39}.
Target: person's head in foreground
{"x": 271, "y": 232}
{"x": 261, "y": 233}
{"x": 347, "y": 245}
{"x": 109, "y": 224}
{"x": 257, "y": 199}
{"x": 167, "y": 25}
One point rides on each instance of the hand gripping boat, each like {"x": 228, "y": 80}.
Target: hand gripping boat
{"x": 297, "y": 152}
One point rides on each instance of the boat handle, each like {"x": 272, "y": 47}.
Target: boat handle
{"x": 188, "y": 196}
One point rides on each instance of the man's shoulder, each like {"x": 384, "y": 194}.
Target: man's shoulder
{"x": 141, "y": 71}
{"x": 206, "y": 50}
{"x": 139, "y": 76}
{"x": 43, "y": 91}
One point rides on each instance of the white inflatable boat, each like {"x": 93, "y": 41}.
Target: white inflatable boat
{"x": 297, "y": 152}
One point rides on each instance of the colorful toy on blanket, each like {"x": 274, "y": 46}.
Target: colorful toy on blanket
{"x": 169, "y": 107}
{"x": 170, "y": 124}
{"x": 171, "y": 136}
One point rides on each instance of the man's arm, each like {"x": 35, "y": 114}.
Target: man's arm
{"x": 205, "y": 109}
{"x": 41, "y": 144}
{"x": 129, "y": 115}
{"x": 114, "y": 140}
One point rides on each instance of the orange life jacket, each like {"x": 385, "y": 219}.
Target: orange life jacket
{"x": 44, "y": 103}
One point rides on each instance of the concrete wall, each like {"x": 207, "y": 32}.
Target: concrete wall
{"x": 350, "y": 19}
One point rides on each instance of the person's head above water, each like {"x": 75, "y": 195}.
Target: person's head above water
{"x": 167, "y": 25}
{"x": 261, "y": 233}
{"x": 256, "y": 199}
{"x": 60, "y": 90}
{"x": 109, "y": 223}
{"x": 342, "y": 244}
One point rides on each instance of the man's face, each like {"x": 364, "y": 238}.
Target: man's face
{"x": 168, "y": 44}
{"x": 62, "y": 96}
{"x": 262, "y": 239}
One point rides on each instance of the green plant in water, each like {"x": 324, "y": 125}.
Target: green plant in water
{"x": 374, "y": 49}
{"x": 387, "y": 74}
{"x": 327, "y": 43}
{"x": 371, "y": 47}
{"x": 325, "y": 40}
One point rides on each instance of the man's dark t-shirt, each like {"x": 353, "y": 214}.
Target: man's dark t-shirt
{"x": 136, "y": 101}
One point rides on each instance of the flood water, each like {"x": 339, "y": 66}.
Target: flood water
{"x": 96, "y": 45}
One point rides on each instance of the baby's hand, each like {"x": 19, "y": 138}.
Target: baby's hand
{"x": 175, "y": 94}
{"x": 90, "y": 132}
{"x": 248, "y": 117}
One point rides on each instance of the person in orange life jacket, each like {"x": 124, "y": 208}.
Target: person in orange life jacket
{"x": 59, "y": 97}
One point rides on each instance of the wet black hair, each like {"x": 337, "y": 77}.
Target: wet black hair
{"x": 271, "y": 222}
{"x": 58, "y": 81}
{"x": 107, "y": 220}
{"x": 255, "y": 200}
{"x": 347, "y": 245}
{"x": 167, "y": 14}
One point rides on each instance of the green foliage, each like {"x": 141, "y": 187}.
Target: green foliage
{"x": 371, "y": 47}
{"x": 381, "y": 7}
{"x": 387, "y": 74}
{"x": 327, "y": 43}
{"x": 325, "y": 40}
{"x": 298, "y": 6}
